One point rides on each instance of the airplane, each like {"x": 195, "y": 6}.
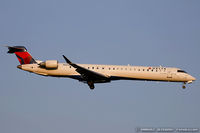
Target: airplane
{"x": 94, "y": 73}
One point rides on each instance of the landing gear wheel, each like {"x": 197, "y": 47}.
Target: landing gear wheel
{"x": 92, "y": 87}
{"x": 183, "y": 86}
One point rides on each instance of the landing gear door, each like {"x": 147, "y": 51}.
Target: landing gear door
{"x": 169, "y": 74}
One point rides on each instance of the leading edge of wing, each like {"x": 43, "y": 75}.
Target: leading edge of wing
{"x": 85, "y": 72}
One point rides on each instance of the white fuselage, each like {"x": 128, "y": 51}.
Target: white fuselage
{"x": 115, "y": 72}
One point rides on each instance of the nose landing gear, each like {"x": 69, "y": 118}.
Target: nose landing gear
{"x": 184, "y": 85}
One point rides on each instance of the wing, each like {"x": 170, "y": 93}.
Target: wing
{"x": 88, "y": 75}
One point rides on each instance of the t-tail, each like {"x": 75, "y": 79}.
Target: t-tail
{"x": 22, "y": 55}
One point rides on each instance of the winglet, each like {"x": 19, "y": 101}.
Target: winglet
{"x": 67, "y": 60}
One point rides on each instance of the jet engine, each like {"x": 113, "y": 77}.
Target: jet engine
{"x": 49, "y": 64}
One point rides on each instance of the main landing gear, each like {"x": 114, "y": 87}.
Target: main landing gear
{"x": 91, "y": 85}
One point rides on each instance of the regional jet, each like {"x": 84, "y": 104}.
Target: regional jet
{"x": 94, "y": 73}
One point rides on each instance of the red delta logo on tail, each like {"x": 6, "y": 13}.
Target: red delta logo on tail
{"x": 22, "y": 55}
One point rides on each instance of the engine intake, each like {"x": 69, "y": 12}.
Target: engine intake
{"x": 49, "y": 64}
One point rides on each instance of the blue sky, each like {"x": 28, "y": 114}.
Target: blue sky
{"x": 120, "y": 32}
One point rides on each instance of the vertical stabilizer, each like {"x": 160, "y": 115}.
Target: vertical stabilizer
{"x": 22, "y": 55}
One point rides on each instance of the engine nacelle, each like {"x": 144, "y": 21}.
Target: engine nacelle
{"x": 49, "y": 64}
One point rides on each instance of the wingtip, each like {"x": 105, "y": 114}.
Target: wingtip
{"x": 63, "y": 56}
{"x": 67, "y": 60}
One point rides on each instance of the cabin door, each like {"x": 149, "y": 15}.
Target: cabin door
{"x": 169, "y": 74}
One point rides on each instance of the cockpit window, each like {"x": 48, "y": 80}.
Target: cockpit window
{"x": 181, "y": 71}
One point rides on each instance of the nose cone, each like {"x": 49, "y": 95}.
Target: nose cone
{"x": 192, "y": 78}
{"x": 19, "y": 66}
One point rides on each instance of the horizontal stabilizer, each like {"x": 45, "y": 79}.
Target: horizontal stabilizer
{"x": 16, "y": 49}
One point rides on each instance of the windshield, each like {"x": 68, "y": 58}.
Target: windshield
{"x": 181, "y": 71}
